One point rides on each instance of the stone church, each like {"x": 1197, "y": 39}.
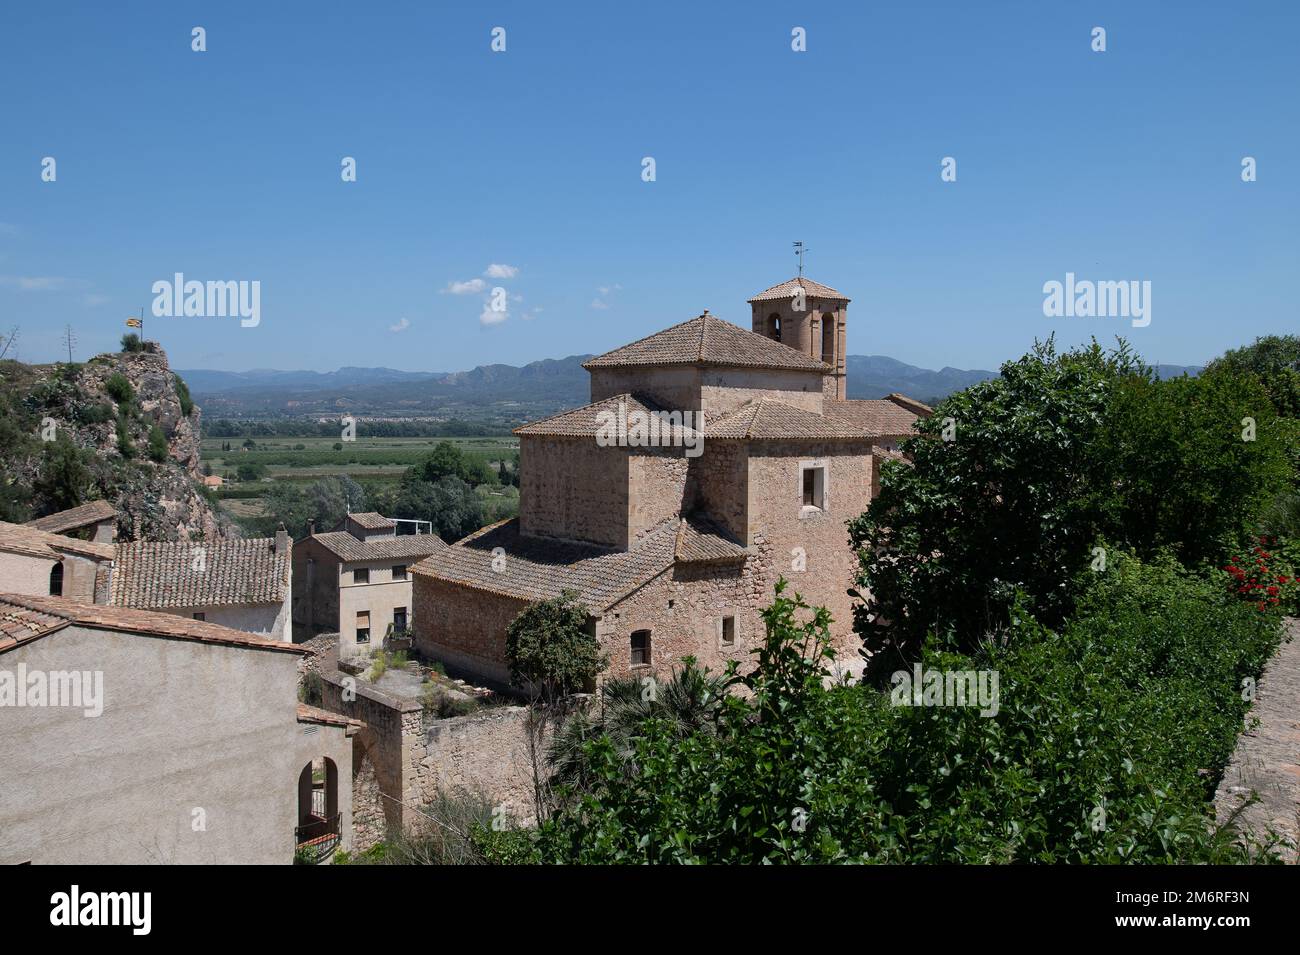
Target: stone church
{"x": 674, "y": 546}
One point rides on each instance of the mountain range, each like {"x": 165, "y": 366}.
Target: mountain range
{"x": 502, "y": 394}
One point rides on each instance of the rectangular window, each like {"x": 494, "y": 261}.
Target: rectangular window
{"x": 399, "y": 571}
{"x": 361, "y": 575}
{"x": 363, "y": 626}
{"x": 640, "y": 648}
{"x": 813, "y": 486}
{"x": 399, "y": 618}
{"x": 728, "y": 631}
{"x": 200, "y": 616}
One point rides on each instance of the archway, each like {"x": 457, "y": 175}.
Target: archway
{"x": 317, "y": 833}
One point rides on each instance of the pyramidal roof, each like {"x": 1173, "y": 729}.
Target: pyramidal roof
{"x": 786, "y": 290}
{"x": 707, "y": 340}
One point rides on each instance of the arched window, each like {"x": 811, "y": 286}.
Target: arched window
{"x": 774, "y": 327}
{"x": 56, "y": 580}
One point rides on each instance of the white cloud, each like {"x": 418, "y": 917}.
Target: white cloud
{"x": 94, "y": 301}
{"x": 597, "y": 303}
{"x": 465, "y": 288}
{"x": 604, "y": 292}
{"x": 498, "y": 271}
{"x": 490, "y": 317}
{"x": 34, "y": 283}
{"x": 401, "y": 326}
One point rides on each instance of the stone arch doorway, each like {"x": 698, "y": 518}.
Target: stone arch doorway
{"x": 317, "y": 834}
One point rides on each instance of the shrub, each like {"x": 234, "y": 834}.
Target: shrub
{"x": 183, "y": 394}
{"x": 157, "y": 445}
{"x": 1260, "y": 579}
{"x": 119, "y": 388}
{"x": 549, "y": 648}
{"x": 124, "y": 445}
{"x": 131, "y": 343}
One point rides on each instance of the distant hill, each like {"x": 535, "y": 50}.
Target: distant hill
{"x": 499, "y": 394}
{"x": 874, "y": 376}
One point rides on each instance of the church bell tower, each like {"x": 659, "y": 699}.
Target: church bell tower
{"x": 810, "y": 318}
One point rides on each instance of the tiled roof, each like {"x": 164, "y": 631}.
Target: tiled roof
{"x": 699, "y": 540}
{"x": 707, "y": 340}
{"x": 785, "y": 290}
{"x": 587, "y": 421}
{"x": 75, "y": 517}
{"x": 880, "y": 416}
{"x": 910, "y": 404}
{"x": 346, "y": 547}
{"x": 157, "y": 574}
{"x": 537, "y": 568}
{"x": 314, "y": 714}
{"x": 769, "y": 419}
{"x": 22, "y": 539}
{"x": 24, "y": 618}
{"x": 371, "y": 521}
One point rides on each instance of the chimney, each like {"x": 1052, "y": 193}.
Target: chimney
{"x": 281, "y": 540}
{"x": 311, "y": 527}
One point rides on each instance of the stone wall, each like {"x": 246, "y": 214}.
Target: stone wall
{"x": 574, "y": 489}
{"x": 464, "y": 628}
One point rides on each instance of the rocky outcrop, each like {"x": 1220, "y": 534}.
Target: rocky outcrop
{"x": 155, "y": 499}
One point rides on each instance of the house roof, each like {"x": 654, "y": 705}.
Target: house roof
{"x": 314, "y": 714}
{"x": 538, "y": 568}
{"x": 24, "y": 618}
{"x": 786, "y": 290}
{"x": 707, "y": 340}
{"x": 589, "y": 420}
{"x": 700, "y": 540}
{"x": 75, "y": 518}
{"x": 348, "y": 548}
{"x": 158, "y": 574}
{"x": 769, "y": 419}
{"x": 371, "y": 521}
{"x": 23, "y": 539}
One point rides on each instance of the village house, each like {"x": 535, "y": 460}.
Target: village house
{"x": 96, "y": 521}
{"x": 674, "y": 546}
{"x": 41, "y": 563}
{"x": 241, "y": 583}
{"x": 355, "y": 581}
{"x": 133, "y": 737}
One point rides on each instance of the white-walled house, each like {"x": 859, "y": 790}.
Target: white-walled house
{"x": 243, "y": 584}
{"x": 41, "y": 564}
{"x": 150, "y": 738}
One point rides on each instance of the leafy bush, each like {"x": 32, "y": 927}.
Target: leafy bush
{"x": 1261, "y": 579}
{"x": 119, "y": 388}
{"x": 549, "y": 648}
{"x": 183, "y": 393}
{"x": 125, "y": 447}
{"x": 1107, "y": 743}
{"x": 131, "y": 343}
{"x": 157, "y": 445}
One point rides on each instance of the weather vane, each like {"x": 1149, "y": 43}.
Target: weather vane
{"x": 799, "y": 251}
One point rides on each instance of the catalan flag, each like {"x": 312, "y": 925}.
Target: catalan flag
{"x": 134, "y": 323}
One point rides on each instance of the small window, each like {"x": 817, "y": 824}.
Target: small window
{"x": 728, "y": 631}
{"x": 399, "y": 571}
{"x": 200, "y": 616}
{"x": 813, "y": 481}
{"x": 399, "y": 619}
{"x": 640, "y": 648}
{"x": 670, "y": 605}
{"x": 56, "y": 580}
{"x": 361, "y": 575}
{"x": 363, "y": 626}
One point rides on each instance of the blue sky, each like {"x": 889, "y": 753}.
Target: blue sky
{"x": 225, "y": 165}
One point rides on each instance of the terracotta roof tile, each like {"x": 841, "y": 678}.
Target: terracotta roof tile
{"x": 75, "y": 517}
{"x": 314, "y": 714}
{"x": 786, "y": 290}
{"x": 700, "y": 540}
{"x": 159, "y": 574}
{"x": 588, "y": 420}
{"x": 536, "y": 568}
{"x": 882, "y": 417}
{"x": 23, "y": 539}
{"x": 347, "y": 548}
{"x": 707, "y": 340}
{"x": 27, "y": 618}
{"x": 371, "y": 521}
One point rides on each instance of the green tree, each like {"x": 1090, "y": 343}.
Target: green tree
{"x": 251, "y": 471}
{"x": 550, "y": 647}
{"x": 64, "y": 480}
{"x": 131, "y": 342}
{"x": 450, "y": 505}
{"x": 119, "y": 388}
{"x": 157, "y": 445}
{"x": 447, "y": 460}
